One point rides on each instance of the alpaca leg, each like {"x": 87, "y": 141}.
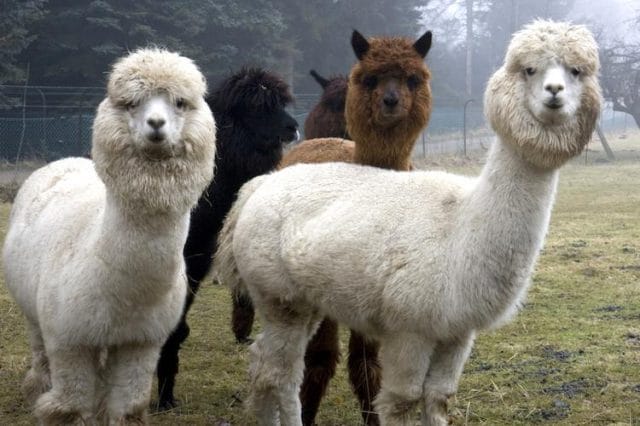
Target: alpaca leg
{"x": 169, "y": 362}
{"x": 168, "y": 365}
{"x": 442, "y": 379}
{"x": 277, "y": 364}
{"x": 129, "y": 375}
{"x": 364, "y": 373}
{"x": 320, "y": 361}
{"x": 242, "y": 316}
{"x": 405, "y": 361}
{"x": 38, "y": 378}
{"x": 71, "y": 399}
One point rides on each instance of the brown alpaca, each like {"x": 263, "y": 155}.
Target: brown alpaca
{"x": 388, "y": 104}
{"x": 326, "y": 119}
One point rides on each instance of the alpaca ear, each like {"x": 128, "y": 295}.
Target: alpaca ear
{"x": 323, "y": 82}
{"x": 423, "y": 44}
{"x": 360, "y": 44}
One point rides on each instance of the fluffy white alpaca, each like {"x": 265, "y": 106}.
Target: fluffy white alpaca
{"x": 430, "y": 257}
{"x": 93, "y": 253}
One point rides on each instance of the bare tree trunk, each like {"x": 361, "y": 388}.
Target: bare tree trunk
{"x": 515, "y": 11}
{"x": 605, "y": 144}
{"x": 469, "y": 65}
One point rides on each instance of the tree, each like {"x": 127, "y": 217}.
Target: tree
{"x": 620, "y": 77}
{"x": 318, "y": 32}
{"x": 15, "y": 36}
{"x": 77, "y": 41}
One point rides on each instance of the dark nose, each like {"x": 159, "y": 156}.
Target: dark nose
{"x": 390, "y": 99}
{"x": 554, "y": 88}
{"x": 156, "y": 123}
{"x": 291, "y": 124}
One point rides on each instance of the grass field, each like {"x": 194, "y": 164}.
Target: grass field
{"x": 571, "y": 357}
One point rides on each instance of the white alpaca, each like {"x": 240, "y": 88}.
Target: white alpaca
{"x": 430, "y": 257}
{"x": 93, "y": 254}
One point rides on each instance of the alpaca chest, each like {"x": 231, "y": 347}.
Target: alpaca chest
{"x": 103, "y": 316}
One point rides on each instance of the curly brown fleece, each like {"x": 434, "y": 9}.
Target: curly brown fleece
{"x": 379, "y": 144}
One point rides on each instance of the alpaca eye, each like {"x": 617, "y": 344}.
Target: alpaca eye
{"x": 530, "y": 71}
{"x": 413, "y": 82}
{"x": 130, "y": 105}
{"x": 575, "y": 72}
{"x": 370, "y": 81}
{"x": 181, "y": 103}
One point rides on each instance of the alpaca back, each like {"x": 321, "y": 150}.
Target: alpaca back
{"x": 63, "y": 192}
{"x": 298, "y": 211}
{"x": 322, "y": 150}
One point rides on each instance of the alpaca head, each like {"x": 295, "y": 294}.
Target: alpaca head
{"x": 389, "y": 97}
{"x": 334, "y": 91}
{"x": 154, "y": 136}
{"x": 255, "y": 101}
{"x": 545, "y": 99}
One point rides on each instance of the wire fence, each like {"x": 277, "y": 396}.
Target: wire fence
{"x": 45, "y": 123}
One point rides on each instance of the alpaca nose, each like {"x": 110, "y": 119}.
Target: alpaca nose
{"x": 390, "y": 99}
{"x": 554, "y": 88}
{"x": 156, "y": 122}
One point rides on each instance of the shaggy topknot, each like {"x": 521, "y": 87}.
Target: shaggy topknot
{"x": 150, "y": 70}
{"x": 240, "y": 90}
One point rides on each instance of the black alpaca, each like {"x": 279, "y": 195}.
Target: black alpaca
{"x": 252, "y": 128}
{"x": 326, "y": 119}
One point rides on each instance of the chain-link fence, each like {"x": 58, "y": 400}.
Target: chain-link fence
{"x": 46, "y": 123}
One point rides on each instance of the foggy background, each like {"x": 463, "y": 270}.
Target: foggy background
{"x": 54, "y": 55}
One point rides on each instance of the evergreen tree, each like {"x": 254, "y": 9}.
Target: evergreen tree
{"x": 15, "y": 36}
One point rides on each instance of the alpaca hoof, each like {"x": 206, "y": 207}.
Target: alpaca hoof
{"x": 138, "y": 419}
{"x": 34, "y": 385}
{"x": 166, "y": 405}
{"x": 50, "y": 411}
{"x": 244, "y": 340}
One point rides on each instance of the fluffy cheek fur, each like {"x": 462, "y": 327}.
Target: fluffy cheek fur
{"x": 543, "y": 145}
{"x": 421, "y": 107}
{"x": 131, "y": 176}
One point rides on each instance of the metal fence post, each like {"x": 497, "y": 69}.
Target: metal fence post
{"x": 464, "y": 125}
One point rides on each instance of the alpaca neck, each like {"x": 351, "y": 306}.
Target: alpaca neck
{"x": 499, "y": 232}
{"x": 384, "y": 152}
{"x": 144, "y": 248}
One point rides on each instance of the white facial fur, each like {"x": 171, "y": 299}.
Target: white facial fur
{"x": 553, "y": 92}
{"x": 156, "y": 123}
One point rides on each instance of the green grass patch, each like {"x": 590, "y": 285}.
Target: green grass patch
{"x": 571, "y": 356}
